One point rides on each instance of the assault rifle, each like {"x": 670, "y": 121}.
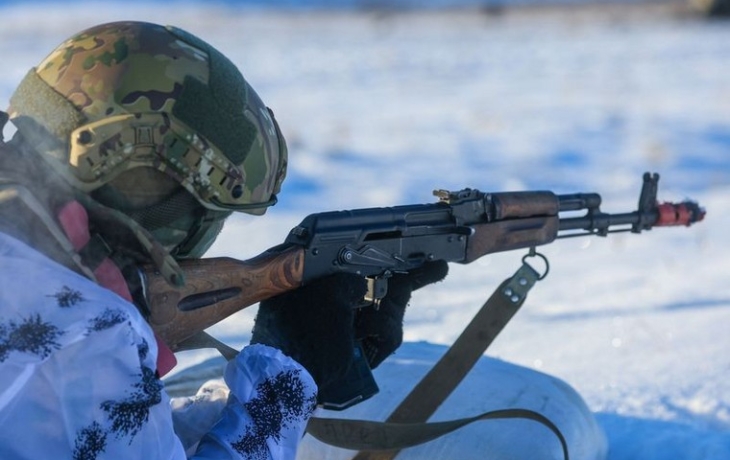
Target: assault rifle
{"x": 377, "y": 242}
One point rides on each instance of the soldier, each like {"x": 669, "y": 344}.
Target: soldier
{"x": 134, "y": 143}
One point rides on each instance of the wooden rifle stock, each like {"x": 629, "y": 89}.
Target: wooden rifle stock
{"x": 216, "y": 288}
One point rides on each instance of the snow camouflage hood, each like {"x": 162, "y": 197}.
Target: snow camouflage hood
{"x": 129, "y": 95}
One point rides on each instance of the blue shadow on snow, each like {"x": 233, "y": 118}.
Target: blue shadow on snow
{"x": 632, "y": 438}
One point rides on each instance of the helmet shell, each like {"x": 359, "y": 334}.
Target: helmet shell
{"x": 135, "y": 94}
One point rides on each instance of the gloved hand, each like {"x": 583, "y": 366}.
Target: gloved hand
{"x": 381, "y": 330}
{"x": 314, "y": 324}
{"x": 317, "y": 325}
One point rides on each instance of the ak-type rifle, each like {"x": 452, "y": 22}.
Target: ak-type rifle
{"x": 375, "y": 243}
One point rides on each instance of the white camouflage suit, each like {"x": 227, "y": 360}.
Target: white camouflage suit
{"x": 78, "y": 380}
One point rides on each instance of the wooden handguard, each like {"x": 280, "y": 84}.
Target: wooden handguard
{"x": 510, "y": 234}
{"x": 216, "y": 288}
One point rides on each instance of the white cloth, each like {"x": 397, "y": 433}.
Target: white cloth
{"x": 77, "y": 378}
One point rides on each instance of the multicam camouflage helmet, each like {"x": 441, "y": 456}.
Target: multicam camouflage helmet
{"x": 128, "y": 95}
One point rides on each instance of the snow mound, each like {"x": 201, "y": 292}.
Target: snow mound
{"x": 492, "y": 384}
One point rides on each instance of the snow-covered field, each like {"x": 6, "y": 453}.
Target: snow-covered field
{"x": 381, "y": 108}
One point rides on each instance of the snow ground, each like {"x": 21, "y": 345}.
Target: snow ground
{"x": 379, "y": 109}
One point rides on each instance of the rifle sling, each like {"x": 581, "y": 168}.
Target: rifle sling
{"x": 407, "y": 426}
{"x": 383, "y": 440}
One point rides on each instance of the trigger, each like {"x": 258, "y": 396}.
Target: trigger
{"x": 377, "y": 289}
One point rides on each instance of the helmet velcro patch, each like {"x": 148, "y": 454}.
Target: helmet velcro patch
{"x": 216, "y": 110}
{"x": 44, "y": 111}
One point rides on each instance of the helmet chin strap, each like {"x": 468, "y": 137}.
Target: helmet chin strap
{"x": 74, "y": 221}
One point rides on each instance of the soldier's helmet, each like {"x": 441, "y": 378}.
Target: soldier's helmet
{"x": 154, "y": 122}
